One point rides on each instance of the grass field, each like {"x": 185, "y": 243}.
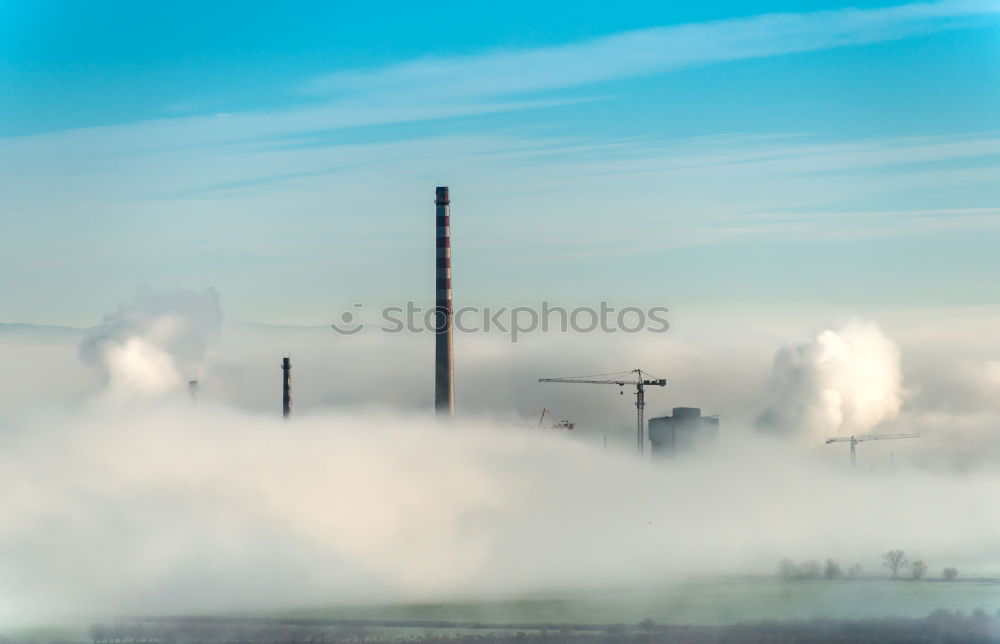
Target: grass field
{"x": 704, "y": 602}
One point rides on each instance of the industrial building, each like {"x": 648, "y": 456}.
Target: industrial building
{"x": 686, "y": 431}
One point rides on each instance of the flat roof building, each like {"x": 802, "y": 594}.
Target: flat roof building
{"x": 686, "y": 431}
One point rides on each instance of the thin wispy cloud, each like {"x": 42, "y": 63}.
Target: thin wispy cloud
{"x": 425, "y": 89}
{"x": 655, "y": 50}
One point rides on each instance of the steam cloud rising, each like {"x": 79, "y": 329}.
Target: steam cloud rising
{"x": 150, "y": 344}
{"x": 841, "y": 381}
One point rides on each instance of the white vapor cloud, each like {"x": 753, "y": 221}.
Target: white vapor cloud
{"x": 155, "y": 343}
{"x": 841, "y": 381}
{"x": 655, "y": 50}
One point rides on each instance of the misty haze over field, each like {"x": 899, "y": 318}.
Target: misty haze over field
{"x": 129, "y": 498}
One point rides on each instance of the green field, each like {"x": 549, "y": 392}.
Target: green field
{"x": 706, "y": 602}
{"x": 703, "y": 602}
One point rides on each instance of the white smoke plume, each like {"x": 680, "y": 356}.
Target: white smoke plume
{"x": 841, "y": 381}
{"x": 153, "y": 344}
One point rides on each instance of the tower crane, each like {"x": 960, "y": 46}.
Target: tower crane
{"x": 637, "y": 377}
{"x": 858, "y": 438}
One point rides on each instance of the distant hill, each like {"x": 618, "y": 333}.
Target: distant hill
{"x": 21, "y": 329}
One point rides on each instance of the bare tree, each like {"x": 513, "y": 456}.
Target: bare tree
{"x": 616, "y": 630}
{"x": 788, "y": 569}
{"x": 919, "y": 569}
{"x": 832, "y": 570}
{"x": 894, "y": 560}
{"x": 810, "y": 569}
{"x": 854, "y": 571}
{"x": 99, "y": 633}
{"x": 950, "y": 574}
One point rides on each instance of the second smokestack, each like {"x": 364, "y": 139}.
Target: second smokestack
{"x": 286, "y": 387}
{"x": 444, "y": 357}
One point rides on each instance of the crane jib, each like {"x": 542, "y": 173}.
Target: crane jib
{"x": 640, "y": 400}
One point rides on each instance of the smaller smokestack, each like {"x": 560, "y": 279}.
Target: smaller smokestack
{"x": 193, "y": 390}
{"x": 286, "y": 387}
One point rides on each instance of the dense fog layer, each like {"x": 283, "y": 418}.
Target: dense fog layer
{"x": 121, "y": 495}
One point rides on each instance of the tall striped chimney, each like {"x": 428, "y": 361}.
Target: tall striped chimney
{"x": 444, "y": 357}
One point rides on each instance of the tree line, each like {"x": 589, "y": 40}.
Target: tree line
{"x": 896, "y": 562}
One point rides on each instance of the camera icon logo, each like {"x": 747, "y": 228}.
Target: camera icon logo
{"x": 349, "y": 324}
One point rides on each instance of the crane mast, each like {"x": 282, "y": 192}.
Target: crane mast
{"x": 859, "y": 438}
{"x": 640, "y": 380}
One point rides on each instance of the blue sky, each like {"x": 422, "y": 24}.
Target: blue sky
{"x": 716, "y": 157}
